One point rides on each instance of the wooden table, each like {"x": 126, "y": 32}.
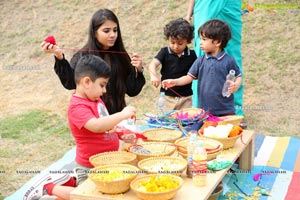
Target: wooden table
{"x": 243, "y": 149}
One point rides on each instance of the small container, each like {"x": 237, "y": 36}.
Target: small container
{"x": 161, "y": 103}
{"x": 199, "y": 165}
{"x": 229, "y": 77}
{"x": 190, "y": 150}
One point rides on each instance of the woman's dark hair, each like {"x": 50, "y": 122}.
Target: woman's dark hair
{"x": 91, "y": 66}
{"x": 119, "y": 60}
{"x": 179, "y": 28}
{"x": 216, "y": 29}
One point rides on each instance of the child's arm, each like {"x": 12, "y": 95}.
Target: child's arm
{"x": 234, "y": 86}
{"x": 154, "y": 76}
{"x": 184, "y": 80}
{"x": 98, "y": 125}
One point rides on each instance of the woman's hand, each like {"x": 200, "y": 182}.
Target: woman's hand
{"x": 137, "y": 62}
{"x": 50, "y": 48}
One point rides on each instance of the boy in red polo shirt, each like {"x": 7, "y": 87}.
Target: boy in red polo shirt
{"x": 90, "y": 124}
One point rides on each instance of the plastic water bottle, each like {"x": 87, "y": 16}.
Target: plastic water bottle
{"x": 230, "y": 76}
{"x": 161, "y": 103}
{"x": 199, "y": 165}
{"x": 190, "y": 150}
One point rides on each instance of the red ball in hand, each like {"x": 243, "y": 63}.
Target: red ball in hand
{"x": 50, "y": 39}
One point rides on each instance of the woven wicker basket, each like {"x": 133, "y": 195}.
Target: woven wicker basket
{"x": 210, "y": 156}
{"x": 208, "y": 143}
{"x": 114, "y": 186}
{"x": 227, "y": 142}
{"x": 163, "y": 165}
{"x": 191, "y": 112}
{"x": 233, "y": 119}
{"x": 162, "y": 135}
{"x": 155, "y": 148}
{"x": 113, "y": 157}
{"x": 135, "y": 184}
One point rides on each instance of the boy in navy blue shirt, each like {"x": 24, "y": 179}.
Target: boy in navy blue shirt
{"x": 176, "y": 59}
{"x": 211, "y": 70}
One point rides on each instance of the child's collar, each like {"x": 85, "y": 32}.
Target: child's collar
{"x": 186, "y": 51}
{"x": 219, "y": 56}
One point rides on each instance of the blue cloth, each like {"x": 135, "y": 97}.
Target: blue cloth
{"x": 66, "y": 162}
{"x": 211, "y": 73}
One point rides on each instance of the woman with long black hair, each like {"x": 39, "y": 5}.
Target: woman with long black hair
{"x": 105, "y": 41}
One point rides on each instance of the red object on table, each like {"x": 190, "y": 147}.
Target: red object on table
{"x": 121, "y": 131}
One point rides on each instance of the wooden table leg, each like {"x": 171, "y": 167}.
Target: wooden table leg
{"x": 246, "y": 159}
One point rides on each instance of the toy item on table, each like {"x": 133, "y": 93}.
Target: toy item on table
{"x": 218, "y": 164}
{"x": 123, "y": 131}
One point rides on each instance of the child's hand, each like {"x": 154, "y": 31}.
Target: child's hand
{"x": 168, "y": 83}
{"x": 155, "y": 80}
{"x": 232, "y": 87}
{"x": 129, "y": 112}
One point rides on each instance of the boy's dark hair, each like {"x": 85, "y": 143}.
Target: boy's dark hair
{"x": 178, "y": 29}
{"x": 216, "y": 29}
{"x": 91, "y": 66}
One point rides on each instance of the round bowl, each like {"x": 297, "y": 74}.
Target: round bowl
{"x": 163, "y": 165}
{"x": 162, "y": 135}
{"x": 152, "y": 149}
{"x": 113, "y": 157}
{"x": 140, "y": 191}
{"x": 113, "y": 179}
